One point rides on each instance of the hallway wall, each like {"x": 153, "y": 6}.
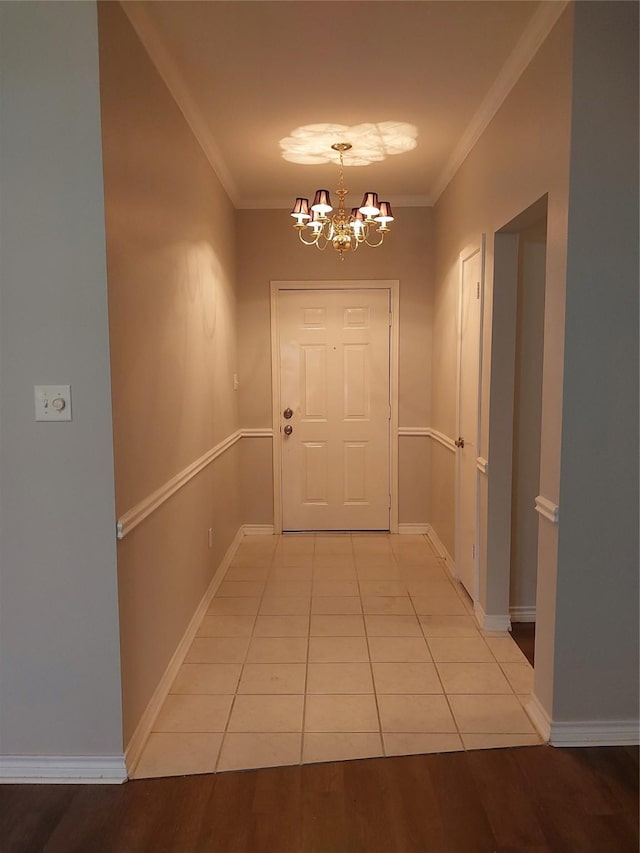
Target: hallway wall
{"x": 268, "y": 249}
{"x": 172, "y": 315}
{"x": 59, "y": 653}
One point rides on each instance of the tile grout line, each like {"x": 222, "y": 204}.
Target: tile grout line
{"x": 306, "y": 668}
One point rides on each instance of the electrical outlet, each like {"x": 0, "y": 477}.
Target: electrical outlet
{"x": 210, "y": 537}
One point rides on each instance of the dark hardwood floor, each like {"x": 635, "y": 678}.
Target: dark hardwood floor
{"x": 524, "y": 634}
{"x": 528, "y": 800}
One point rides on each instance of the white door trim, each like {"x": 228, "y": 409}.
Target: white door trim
{"x": 391, "y": 285}
{"x": 467, "y": 253}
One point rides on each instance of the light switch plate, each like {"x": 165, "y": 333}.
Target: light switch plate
{"x": 53, "y": 402}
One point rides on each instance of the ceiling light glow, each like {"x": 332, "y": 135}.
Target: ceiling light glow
{"x": 371, "y": 142}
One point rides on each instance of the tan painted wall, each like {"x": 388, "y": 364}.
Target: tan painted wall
{"x": 268, "y": 249}
{"x": 523, "y": 154}
{"x": 171, "y": 274}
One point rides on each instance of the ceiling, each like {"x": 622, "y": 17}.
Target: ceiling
{"x": 247, "y": 73}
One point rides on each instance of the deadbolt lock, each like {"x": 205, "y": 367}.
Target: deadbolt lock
{"x": 288, "y": 413}
{"x": 288, "y": 429}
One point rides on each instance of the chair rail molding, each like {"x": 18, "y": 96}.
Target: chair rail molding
{"x": 429, "y": 432}
{"x": 547, "y": 509}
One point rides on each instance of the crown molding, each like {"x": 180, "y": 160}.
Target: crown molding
{"x": 528, "y": 45}
{"x": 153, "y": 43}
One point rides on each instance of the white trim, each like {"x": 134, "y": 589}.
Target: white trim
{"x": 137, "y": 514}
{"x": 257, "y": 529}
{"x": 539, "y": 717}
{"x": 393, "y": 286}
{"x": 491, "y": 621}
{"x": 166, "y": 67}
{"x": 428, "y": 432}
{"x": 482, "y": 465}
{"x": 413, "y": 529}
{"x": 530, "y": 41}
{"x": 415, "y": 431}
{"x": 145, "y": 724}
{"x": 63, "y": 769}
{"x": 265, "y": 432}
{"x": 595, "y": 733}
{"x": 523, "y": 614}
{"x": 441, "y": 551}
{"x": 547, "y": 509}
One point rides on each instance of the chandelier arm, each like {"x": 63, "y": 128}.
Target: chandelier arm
{"x": 375, "y": 245}
{"x": 313, "y": 242}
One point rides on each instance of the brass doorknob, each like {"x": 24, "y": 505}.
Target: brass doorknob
{"x": 459, "y": 442}
{"x": 288, "y": 429}
{"x": 288, "y": 413}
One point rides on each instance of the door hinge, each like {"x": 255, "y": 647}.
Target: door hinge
{"x": 473, "y": 551}
{"x": 389, "y": 418}
{"x": 477, "y": 290}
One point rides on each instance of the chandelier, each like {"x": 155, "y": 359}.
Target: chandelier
{"x": 318, "y": 226}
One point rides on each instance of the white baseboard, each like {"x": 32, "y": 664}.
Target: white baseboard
{"x": 63, "y": 769}
{"x": 491, "y": 621}
{"x": 582, "y": 732}
{"x": 413, "y": 529}
{"x": 257, "y": 529}
{"x": 539, "y": 717}
{"x": 438, "y": 544}
{"x": 523, "y": 614}
{"x": 143, "y": 729}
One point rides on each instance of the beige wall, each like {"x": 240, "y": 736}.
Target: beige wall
{"x": 59, "y": 653}
{"x": 171, "y": 275}
{"x": 268, "y": 249}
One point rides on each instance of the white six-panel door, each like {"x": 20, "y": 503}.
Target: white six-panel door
{"x": 334, "y": 377}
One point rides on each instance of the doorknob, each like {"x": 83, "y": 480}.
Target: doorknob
{"x": 288, "y": 429}
{"x": 459, "y": 442}
{"x": 288, "y": 413}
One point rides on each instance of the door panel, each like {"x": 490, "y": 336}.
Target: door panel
{"x": 468, "y": 387}
{"x": 334, "y": 375}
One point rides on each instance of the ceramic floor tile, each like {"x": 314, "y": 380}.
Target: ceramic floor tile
{"x": 244, "y": 751}
{"x": 385, "y": 604}
{"x": 431, "y": 572}
{"x": 333, "y": 546}
{"x": 293, "y": 561}
{"x": 266, "y": 714}
{"x": 339, "y": 678}
{"x": 428, "y": 586}
{"x": 251, "y": 560}
{"x": 290, "y": 573}
{"x": 207, "y": 678}
{"x": 338, "y": 650}
{"x": 332, "y": 605}
{"x": 278, "y": 650}
{"x": 180, "y": 713}
{"x": 340, "y": 746}
{"x": 393, "y": 626}
{"x": 449, "y": 626}
{"x": 415, "y": 713}
{"x": 395, "y": 589}
{"x": 286, "y": 589}
{"x": 218, "y": 650}
{"x": 235, "y": 606}
{"x": 490, "y": 715}
{"x": 333, "y": 572}
{"x": 341, "y": 714}
{"x": 520, "y": 676}
{"x": 335, "y": 588}
{"x": 234, "y": 589}
{"x": 406, "y": 678}
{"x": 371, "y": 572}
{"x": 226, "y": 626}
{"x": 505, "y": 650}
{"x": 281, "y": 626}
{"x": 491, "y": 741}
{"x": 285, "y": 606}
{"x": 399, "y": 650}
{"x": 420, "y": 743}
{"x": 438, "y": 605}
{"x": 473, "y": 678}
{"x": 337, "y": 626}
{"x": 272, "y": 678}
{"x": 246, "y": 573}
{"x": 178, "y": 754}
{"x": 459, "y": 650}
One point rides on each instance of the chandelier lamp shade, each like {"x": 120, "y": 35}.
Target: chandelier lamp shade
{"x": 320, "y": 226}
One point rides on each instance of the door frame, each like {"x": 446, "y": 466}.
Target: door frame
{"x": 467, "y": 253}
{"x": 393, "y": 287}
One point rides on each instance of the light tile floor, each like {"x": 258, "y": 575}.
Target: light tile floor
{"x": 320, "y": 647}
